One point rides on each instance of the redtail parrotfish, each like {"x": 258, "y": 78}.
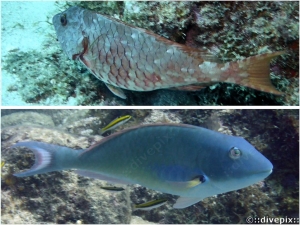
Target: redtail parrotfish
{"x": 128, "y": 57}
{"x": 179, "y": 159}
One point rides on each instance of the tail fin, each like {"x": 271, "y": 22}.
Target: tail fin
{"x": 48, "y": 158}
{"x": 258, "y": 70}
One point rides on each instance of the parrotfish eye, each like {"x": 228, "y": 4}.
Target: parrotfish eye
{"x": 235, "y": 153}
{"x": 63, "y": 20}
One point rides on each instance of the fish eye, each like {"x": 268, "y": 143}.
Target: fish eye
{"x": 63, "y": 20}
{"x": 235, "y": 153}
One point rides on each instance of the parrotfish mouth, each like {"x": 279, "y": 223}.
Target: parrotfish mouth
{"x": 260, "y": 175}
{"x": 264, "y": 172}
{"x": 267, "y": 172}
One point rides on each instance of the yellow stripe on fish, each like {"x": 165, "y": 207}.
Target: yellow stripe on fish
{"x": 151, "y": 205}
{"x": 115, "y": 123}
{"x": 128, "y": 57}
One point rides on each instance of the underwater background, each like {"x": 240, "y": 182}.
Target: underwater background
{"x": 35, "y": 71}
{"x": 64, "y": 197}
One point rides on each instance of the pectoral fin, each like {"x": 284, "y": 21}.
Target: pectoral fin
{"x": 183, "y": 202}
{"x": 191, "y": 183}
{"x": 116, "y": 91}
{"x": 196, "y": 181}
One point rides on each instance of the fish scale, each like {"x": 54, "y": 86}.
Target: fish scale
{"x": 128, "y": 57}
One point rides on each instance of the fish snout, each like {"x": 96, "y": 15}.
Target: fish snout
{"x": 263, "y": 166}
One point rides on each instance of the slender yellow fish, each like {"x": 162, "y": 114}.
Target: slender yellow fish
{"x": 151, "y": 205}
{"x": 115, "y": 123}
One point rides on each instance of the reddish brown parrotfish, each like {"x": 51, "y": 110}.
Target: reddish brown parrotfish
{"x": 128, "y": 57}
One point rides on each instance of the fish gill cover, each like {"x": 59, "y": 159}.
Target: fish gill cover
{"x": 64, "y": 197}
{"x": 230, "y": 30}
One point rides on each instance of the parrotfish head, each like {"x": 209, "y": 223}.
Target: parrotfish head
{"x": 69, "y": 31}
{"x": 236, "y": 164}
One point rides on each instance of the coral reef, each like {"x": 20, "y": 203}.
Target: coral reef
{"x": 64, "y": 197}
{"x": 60, "y": 82}
{"x": 19, "y": 118}
{"x": 162, "y": 116}
{"x": 230, "y": 30}
{"x": 235, "y": 30}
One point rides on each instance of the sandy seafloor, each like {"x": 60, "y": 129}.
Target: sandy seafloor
{"x": 24, "y": 28}
{"x": 32, "y": 59}
{"x": 64, "y": 197}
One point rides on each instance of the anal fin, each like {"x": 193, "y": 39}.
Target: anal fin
{"x": 183, "y": 202}
{"x": 116, "y": 91}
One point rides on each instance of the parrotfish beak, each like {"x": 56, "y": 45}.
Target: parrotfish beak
{"x": 259, "y": 171}
{"x": 262, "y": 168}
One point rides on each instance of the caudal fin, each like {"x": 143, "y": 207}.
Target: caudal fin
{"x": 48, "y": 158}
{"x": 258, "y": 69}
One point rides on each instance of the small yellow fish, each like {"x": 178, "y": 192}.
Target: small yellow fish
{"x": 151, "y": 205}
{"x": 113, "y": 189}
{"x": 9, "y": 179}
{"x": 2, "y": 164}
{"x": 115, "y": 123}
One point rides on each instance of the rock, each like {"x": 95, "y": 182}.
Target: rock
{"x": 160, "y": 116}
{"x": 139, "y": 220}
{"x": 27, "y": 118}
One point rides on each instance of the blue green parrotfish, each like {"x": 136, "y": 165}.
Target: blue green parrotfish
{"x": 178, "y": 159}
